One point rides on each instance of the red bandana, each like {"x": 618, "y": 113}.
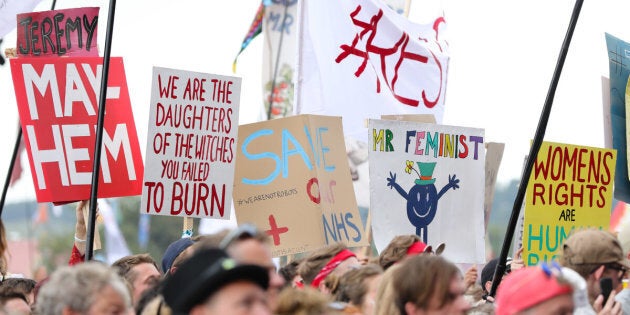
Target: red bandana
{"x": 331, "y": 265}
{"x": 417, "y": 247}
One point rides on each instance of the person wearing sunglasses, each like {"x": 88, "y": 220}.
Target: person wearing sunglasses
{"x": 248, "y": 245}
{"x": 596, "y": 255}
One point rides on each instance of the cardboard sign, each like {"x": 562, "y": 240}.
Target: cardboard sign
{"x": 191, "y": 144}
{"x": 69, "y": 32}
{"x": 57, "y": 101}
{"x": 570, "y": 187}
{"x": 428, "y": 180}
{"x": 292, "y": 180}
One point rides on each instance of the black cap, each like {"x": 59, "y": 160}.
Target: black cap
{"x": 487, "y": 273}
{"x": 206, "y": 272}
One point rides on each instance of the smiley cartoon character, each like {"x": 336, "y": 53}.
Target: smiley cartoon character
{"x": 422, "y": 198}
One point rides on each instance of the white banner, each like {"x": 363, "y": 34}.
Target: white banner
{"x": 359, "y": 59}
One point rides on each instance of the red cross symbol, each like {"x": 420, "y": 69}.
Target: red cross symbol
{"x": 275, "y": 231}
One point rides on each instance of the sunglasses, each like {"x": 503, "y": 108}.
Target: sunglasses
{"x": 619, "y": 268}
{"x": 242, "y": 232}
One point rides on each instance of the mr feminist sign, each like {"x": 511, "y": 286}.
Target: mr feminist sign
{"x": 293, "y": 181}
{"x": 428, "y": 180}
{"x": 570, "y": 187}
{"x": 191, "y": 144}
{"x": 57, "y": 101}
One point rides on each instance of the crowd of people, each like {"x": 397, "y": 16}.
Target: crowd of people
{"x": 233, "y": 272}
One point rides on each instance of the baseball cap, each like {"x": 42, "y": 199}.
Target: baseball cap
{"x": 173, "y": 250}
{"x": 205, "y": 273}
{"x": 529, "y": 286}
{"x": 593, "y": 246}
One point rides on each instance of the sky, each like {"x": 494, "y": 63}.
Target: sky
{"x": 503, "y": 54}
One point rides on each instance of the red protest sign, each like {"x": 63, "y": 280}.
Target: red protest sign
{"x": 58, "y": 105}
{"x": 69, "y": 32}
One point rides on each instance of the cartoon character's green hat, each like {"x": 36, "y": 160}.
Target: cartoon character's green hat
{"x": 426, "y": 173}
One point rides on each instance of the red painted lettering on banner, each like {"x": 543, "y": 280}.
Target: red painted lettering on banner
{"x": 369, "y": 30}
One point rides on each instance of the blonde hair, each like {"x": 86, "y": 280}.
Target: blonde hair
{"x": 304, "y": 301}
{"x": 386, "y": 294}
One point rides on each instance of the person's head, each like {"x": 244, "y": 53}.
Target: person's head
{"x": 86, "y": 288}
{"x": 248, "y": 245}
{"x": 386, "y": 295}
{"x": 210, "y": 282}
{"x": 289, "y": 273}
{"x": 535, "y": 290}
{"x": 403, "y": 246}
{"x": 14, "y": 302}
{"x": 595, "y": 254}
{"x": 331, "y": 260}
{"x": 429, "y": 284}
{"x": 140, "y": 271}
{"x": 304, "y": 301}
{"x": 177, "y": 251}
{"x": 22, "y": 285}
{"x": 487, "y": 273}
{"x": 358, "y": 287}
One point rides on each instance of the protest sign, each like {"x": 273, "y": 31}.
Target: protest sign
{"x": 69, "y": 32}
{"x": 191, "y": 144}
{"x": 618, "y": 66}
{"x": 292, "y": 180}
{"x": 428, "y": 180}
{"x": 57, "y": 103}
{"x": 570, "y": 187}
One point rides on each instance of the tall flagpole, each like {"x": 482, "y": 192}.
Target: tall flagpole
{"x": 533, "y": 152}
{"x": 276, "y": 66}
{"x": 89, "y": 248}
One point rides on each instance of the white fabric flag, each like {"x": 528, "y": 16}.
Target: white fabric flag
{"x": 359, "y": 59}
{"x": 115, "y": 244}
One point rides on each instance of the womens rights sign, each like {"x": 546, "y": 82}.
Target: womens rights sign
{"x": 191, "y": 144}
{"x": 293, "y": 181}
{"x": 58, "y": 107}
{"x": 428, "y": 180}
{"x": 570, "y": 187}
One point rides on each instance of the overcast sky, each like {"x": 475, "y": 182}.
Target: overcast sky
{"x": 503, "y": 54}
